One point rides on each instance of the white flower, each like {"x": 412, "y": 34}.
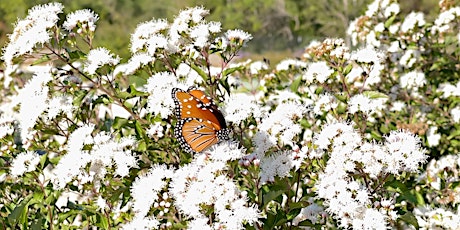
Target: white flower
{"x": 225, "y": 151}
{"x": 398, "y": 106}
{"x": 280, "y": 123}
{"x": 188, "y": 75}
{"x": 105, "y": 152}
{"x": 312, "y": 213}
{"x": 449, "y": 90}
{"x": 412, "y": 80}
{"x": 373, "y": 219}
{"x": 238, "y": 35}
{"x": 135, "y": 62}
{"x": 319, "y": 71}
{"x": 145, "y": 189}
{"x": 278, "y": 164}
{"x": 363, "y": 103}
{"x": 30, "y": 32}
{"x": 409, "y": 58}
{"x": 368, "y": 55}
{"x": 433, "y": 137}
{"x": 24, "y": 162}
{"x": 257, "y": 66}
{"x": 405, "y": 152}
{"x": 144, "y": 31}
{"x": 86, "y": 18}
{"x": 325, "y": 103}
{"x": 139, "y": 222}
{"x": 412, "y": 20}
{"x": 99, "y": 57}
{"x": 156, "y": 129}
{"x": 59, "y": 104}
{"x": 392, "y": 9}
{"x": 200, "y": 33}
{"x": 69, "y": 164}
{"x": 442, "y": 23}
{"x": 33, "y": 101}
{"x": 159, "y": 86}
{"x": 241, "y": 106}
{"x": 290, "y": 64}
{"x": 455, "y": 113}
{"x": 203, "y": 183}
{"x": 437, "y": 218}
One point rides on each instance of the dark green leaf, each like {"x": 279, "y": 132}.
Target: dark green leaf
{"x": 271, "y": 195}
{"x": 19, "y": 214}
{"x": 409, "y": 218}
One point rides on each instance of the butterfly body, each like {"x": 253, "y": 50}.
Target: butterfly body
{"x": 200, "y": 123}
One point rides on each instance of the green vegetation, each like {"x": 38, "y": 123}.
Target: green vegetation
{"x": 277, "y": 25}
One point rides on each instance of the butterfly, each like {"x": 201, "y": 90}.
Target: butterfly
{"x": 200, "y": 123}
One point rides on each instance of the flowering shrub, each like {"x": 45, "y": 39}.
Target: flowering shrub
{"x": 363, "y": 139}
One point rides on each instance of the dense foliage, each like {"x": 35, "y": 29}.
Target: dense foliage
{"x": 342, "y": 138}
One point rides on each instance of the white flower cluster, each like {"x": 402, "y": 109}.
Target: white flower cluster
{"x": 442, "y": 23}
{"x": 196, "y": 188}
{"x": 279, "y": 125}
{"x": 33, "y": 102}
{"x": 347, "y": 198}
{"x": 30, "y": 32}
{"x": 318, "y": 71}
{"x": 159, "y": 86}
{"x": 99, "y": 57}
{"x": 105, "y": 152}
{"x": 241, "y": 106}
{"x": 365, "y": 104}
{"x": 82, "y": 20}
{"x": 436, "y": 218}
{"x": 288, "y": 64}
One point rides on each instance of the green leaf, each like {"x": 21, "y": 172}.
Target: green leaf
{"x": 200, "y": 72}
{"x": 42, "y": 59}
{"x": 79, "y": 96}
{"x": 225, "y": 84}
{"x": 103, "y": 99}
{"x": 389, "y": 21}
{"x": 135, "y": 93}
{"x": 375, "y": 94}
{"x": 37, "y": 198}
{"x": 139, "y": 130}
{"x": 36, "y": 225}
{"x": 19, "y": 214}
{"x": 102, "y": 221}
{"x": 271, "y": 195}
{"x": 119, "y": 122}
{"x": 228, "y": 71}
{"x": 420, "y": 199}
{"x": 296, "y": 83}
{"x": 347, "y": 69}
{"x": 409, "y": 218}
{"x": 402, "y": 188}
{"x": 75, "y": 54}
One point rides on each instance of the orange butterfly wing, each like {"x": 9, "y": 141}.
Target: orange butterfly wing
{"x": 195, "y": 104}
{"x": 199, "y": 135}
{"x": 200, "y": 123}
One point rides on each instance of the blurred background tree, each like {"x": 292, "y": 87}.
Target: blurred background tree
{"x": 281, "y": 28}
